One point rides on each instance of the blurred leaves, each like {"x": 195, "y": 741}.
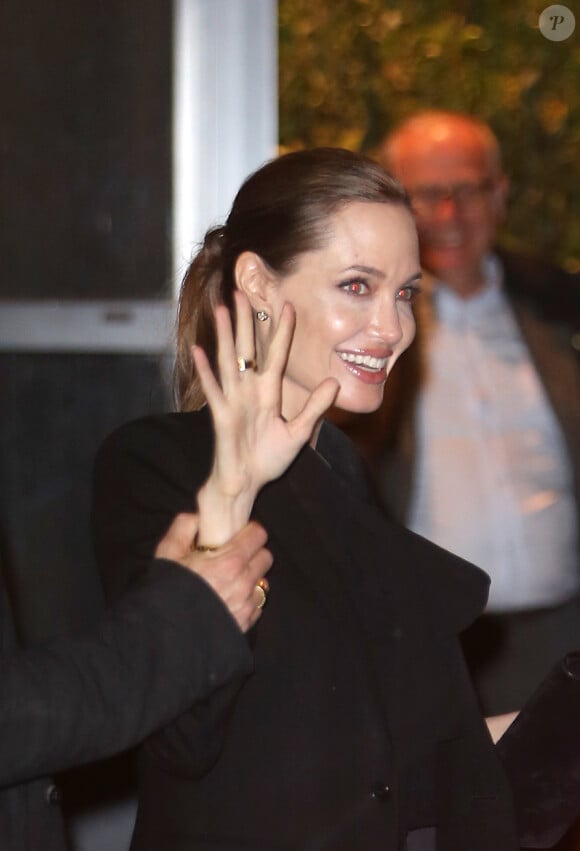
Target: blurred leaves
{"x": 351, "y": 69}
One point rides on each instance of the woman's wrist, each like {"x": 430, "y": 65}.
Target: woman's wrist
{"x": 221, "y": 516}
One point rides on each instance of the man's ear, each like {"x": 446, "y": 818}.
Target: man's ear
{"x": 255, "y": 279}
{"x": 501, "y": 191}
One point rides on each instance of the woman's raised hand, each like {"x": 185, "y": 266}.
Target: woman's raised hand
{"x": 254, "y": 443}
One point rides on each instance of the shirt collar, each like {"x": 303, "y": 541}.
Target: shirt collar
{"x": 456, "y": 311}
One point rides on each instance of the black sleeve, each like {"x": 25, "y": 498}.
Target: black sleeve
{"x": 167, "y": 643}
{"x": 146, "y": 473}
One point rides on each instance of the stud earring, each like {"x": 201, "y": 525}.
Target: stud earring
{"x": 262, "y": 315}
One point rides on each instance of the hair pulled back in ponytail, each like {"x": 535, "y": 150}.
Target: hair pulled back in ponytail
{"x": 281, "y": 211}
{"x": 201, "y": 291}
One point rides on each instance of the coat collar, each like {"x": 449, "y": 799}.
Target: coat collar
{"x": 296, "y": 512}
{"x": 366, "y": 572}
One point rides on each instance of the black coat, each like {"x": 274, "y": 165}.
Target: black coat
{"x": 359, "y": 720}
{"x": 168, "y": 642}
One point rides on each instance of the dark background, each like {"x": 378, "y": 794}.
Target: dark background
{"x": 85, "y": 141}
{"x": 85, "y": 214}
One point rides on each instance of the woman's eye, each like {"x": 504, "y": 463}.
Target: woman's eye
{"x": 355, "y": 287}
{"x": 407, "y": 293}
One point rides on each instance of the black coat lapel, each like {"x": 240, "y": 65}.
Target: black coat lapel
{"x": 296, "y": 510}
{"x": 321, "y": 517}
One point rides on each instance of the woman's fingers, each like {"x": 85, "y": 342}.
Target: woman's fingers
{"x": 280, "y": 346}
{"x": 227, "y": 363}
{"x": 318, "y": 403}
{"x": 226, "y": 349}
{"x": 231, "y": 349}
{"x": 245, "y": 346}
{"x": 209, "y": 383}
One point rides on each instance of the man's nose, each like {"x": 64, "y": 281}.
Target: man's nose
{"x": 446, "y": 209}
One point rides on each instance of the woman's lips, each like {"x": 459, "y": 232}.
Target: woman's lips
{"x": 366, "y": 366}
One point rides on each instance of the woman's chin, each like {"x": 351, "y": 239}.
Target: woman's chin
{"x": 360, "y": 403}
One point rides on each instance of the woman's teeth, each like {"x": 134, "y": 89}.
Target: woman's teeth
{"x": 367, "y": 361}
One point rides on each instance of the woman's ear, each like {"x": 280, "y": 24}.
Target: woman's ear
{"x": 253, "y": 278}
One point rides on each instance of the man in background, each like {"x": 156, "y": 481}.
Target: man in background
{"x": 484, "y": 459}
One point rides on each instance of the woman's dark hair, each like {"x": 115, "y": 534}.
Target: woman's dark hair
{"x": 280, "y": 212}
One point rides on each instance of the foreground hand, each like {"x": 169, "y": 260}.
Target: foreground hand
{"x": 232, "y": 572}
{"x": 254, "y": 443}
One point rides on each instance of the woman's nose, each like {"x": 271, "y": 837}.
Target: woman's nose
{"x": 386, "y": 324}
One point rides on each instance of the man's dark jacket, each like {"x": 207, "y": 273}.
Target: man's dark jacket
{"x": 167, "y": 643}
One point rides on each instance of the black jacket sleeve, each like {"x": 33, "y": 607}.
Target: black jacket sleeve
{"x": 146, "y": 473}
{"x": 166, "y": 643}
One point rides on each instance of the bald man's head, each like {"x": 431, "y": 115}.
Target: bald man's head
{"x": 450, "y": 164}
{"x": 434, "y": 127}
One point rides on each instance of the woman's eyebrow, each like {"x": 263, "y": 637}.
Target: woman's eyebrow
{"x": 370, "y": 270}
{"x": 416, "y": 277}
{"x": 367, "y": 270}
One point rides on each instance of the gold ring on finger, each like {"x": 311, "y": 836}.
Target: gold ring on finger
{"x": 262, "y": 587}
{"x": 246, "y": 363}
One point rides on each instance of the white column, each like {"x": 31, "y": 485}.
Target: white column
{"x": 225, "y": 109}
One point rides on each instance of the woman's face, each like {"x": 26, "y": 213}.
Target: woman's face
{"x": 353, "y": 306}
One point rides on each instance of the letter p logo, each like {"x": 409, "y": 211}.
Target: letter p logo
{"x": 557, "y": 23}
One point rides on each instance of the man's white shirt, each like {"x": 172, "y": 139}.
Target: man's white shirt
{"x": 493, "y": 482}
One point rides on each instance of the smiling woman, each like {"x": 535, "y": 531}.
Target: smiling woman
{"x": 358, "y": 728}
{"x": 354, "y": 318}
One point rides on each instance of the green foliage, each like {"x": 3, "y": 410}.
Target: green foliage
{"x": 351, "y": 69}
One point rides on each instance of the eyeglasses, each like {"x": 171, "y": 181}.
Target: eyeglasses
{"x": 464, "y": 195}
